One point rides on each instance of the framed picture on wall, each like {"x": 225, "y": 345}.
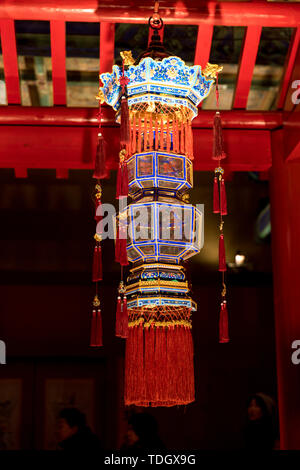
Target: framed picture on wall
{"x": 10, "y": 413}
{"x": 67, "y": 393}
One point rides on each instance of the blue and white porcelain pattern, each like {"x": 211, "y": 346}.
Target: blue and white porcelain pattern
{"x": 169, "y": 81}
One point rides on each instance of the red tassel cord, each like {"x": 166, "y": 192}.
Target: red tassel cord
{"x": 223, "y": 323}
{"x": 216, "y": 209}
{"x": 218, "y": 147}
{"x": 223, "y": 198}
{"x": 222, "y": 257}
{"x": 96, "y": 324}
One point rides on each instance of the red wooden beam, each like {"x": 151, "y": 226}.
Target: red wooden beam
{"x": 87, "y": 117}
{"x": 72, "y": 148}
{"x": 290, "y": 62}
{"x": 10, "y": 60}
{"x": 247, "y": 63}
{"x": 107, "y": 46}
{"x": 58, "y": 54}
{"x": 291, "y": 115}
{"x": 279, "y": 14}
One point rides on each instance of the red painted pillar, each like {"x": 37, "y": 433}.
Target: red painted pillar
{"x": 285, "y": 213}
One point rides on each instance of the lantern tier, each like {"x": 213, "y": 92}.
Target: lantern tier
{"x": 170, "y": 173}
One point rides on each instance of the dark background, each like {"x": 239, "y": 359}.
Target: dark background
{"x": 46, "y": 244}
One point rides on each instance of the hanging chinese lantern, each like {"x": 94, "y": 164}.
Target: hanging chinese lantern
{"x": 156, "y": 98}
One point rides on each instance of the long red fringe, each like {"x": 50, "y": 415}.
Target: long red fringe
{"x": 159, "y": 367}
{"x": 222, "y": 257}
{"x": 96, "y": 329}
{"x": 223, "y": 324}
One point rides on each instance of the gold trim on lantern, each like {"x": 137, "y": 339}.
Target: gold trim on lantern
{"x": 212, "y": 70}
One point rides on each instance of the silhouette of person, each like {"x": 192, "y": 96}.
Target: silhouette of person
{"x": 142, "y": 433}
{"x": 73, "y": 432}
{"x": 261, "y": 428}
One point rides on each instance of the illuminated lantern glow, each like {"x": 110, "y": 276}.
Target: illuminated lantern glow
{"x": 163, "y": 95}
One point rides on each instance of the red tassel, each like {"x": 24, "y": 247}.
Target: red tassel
{"x": 124, "y": 184}
{"x": 149, "y": 334}
{"x": 121, "y": 246}
{"x": 139, "y": 362}
{"x": 223, "y": 198}
{"x": 96, "y": 329}
{"x": 216, "y": 196}
{"x": 97, "y": 263}
{"x": 125, "y": 123}
{"x": 223, "y": 324}
{"x": 222, "y": 258}
{"x": 218, "y": 147}
{"x": 124, "y": 320}
{"x": 118, "y": 330}
{"x": 122, "y": 181}
{"x": 100, "y": 159}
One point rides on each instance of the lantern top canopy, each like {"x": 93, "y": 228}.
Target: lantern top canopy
{"x": 169, "y": 82}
